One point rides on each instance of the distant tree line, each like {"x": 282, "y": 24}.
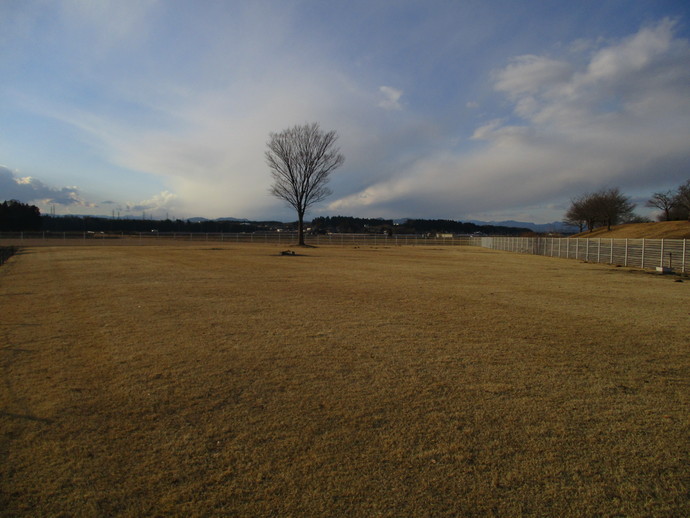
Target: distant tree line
{"x": 96, "y": 224}
{"x": 16, "y": 216}
{"x": 431, "y": 226}
{"x": 674, "y": 204}
{"x": 348, "y": 224}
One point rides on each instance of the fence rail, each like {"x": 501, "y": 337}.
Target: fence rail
{"x": 154, "y": 238}
{"x": 638, "y": 253}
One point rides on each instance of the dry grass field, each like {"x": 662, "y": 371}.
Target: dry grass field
{"x": 232, "y": 381}
{"x": 653, "y": 230}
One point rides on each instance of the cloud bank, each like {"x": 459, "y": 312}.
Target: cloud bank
{"x": 619, "y": 115}
{"x": 165, "y": 107}
{"x": 28, "y": 189}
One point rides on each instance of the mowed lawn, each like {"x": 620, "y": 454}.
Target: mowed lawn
{"x": 408, "y": 381}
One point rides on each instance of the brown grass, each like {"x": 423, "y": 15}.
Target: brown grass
{"x": 343, "y": 382}
{"x": 654, "y": 230}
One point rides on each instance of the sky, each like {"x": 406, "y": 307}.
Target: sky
{"x": 489, "y": 110}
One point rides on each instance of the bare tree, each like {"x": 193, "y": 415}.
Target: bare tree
{"x": 682, "y": 199}
{"x": 665, "y": 201}
{"x": 582, "y": 212}
{"x": 613, "y": 207}
{"x": 606, "y": 207}
{"x": 301, "y": 160}
{"x": 577, "y": 215}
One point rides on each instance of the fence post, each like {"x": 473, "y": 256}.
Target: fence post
{"x": 626, "y": 252}
{"x": 598, "y": 250}
{"x": 642, "y": 254}
{"x": 661, "y": 254}
{"x": 611, "y": 256}
{"x": 683, "y": 267}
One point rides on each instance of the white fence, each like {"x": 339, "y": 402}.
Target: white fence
{"x": 638, "y": 253}
{"x": 283, "y": 238}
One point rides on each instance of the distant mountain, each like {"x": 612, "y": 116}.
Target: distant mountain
{"x": 555, "y": 226}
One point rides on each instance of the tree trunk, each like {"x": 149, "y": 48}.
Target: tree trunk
{"x": 300, "y": 229}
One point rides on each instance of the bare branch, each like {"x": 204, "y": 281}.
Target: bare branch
{"x": 301, "y": 160}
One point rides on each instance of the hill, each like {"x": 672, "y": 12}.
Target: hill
{"x": 655, "y": 230}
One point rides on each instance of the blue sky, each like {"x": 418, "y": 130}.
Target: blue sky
{"x": 485, "y": 110}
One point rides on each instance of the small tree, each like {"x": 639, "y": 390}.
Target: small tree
{"x": 301, "y": 160}
{"x": 665, "y": 201}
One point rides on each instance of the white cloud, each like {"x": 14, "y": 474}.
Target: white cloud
{"x": 633, "y": 54}
{"x": 622, "y": 117}
{"x": 391, "y": 98}
{"x": 530, "y": 74}
{"x": 485, "y": 131}
{"x": 157, "y": 205}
